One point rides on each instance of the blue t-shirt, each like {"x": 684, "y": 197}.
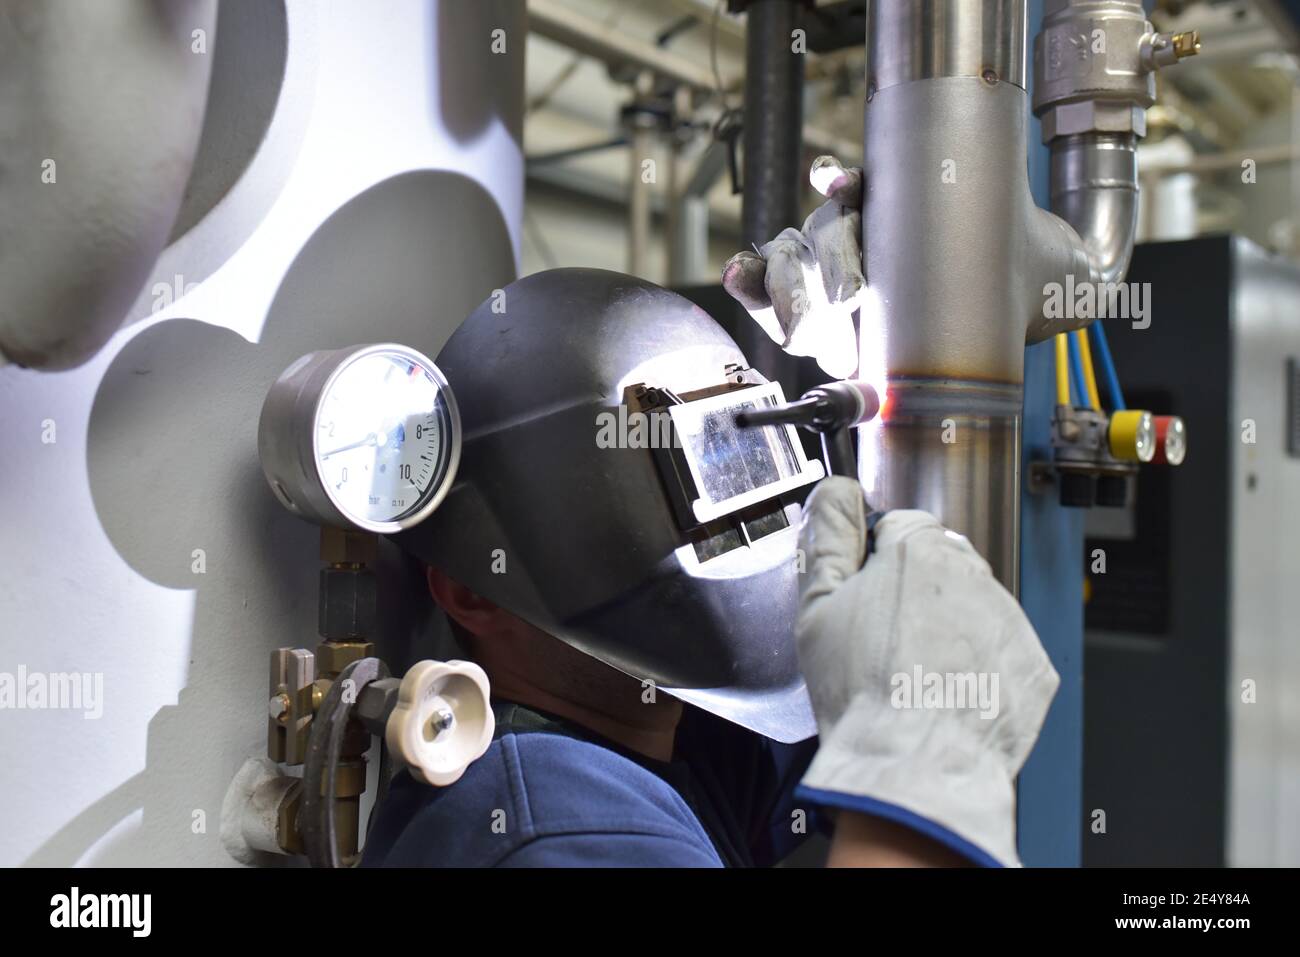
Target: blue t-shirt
{"x": 550, "y": 794}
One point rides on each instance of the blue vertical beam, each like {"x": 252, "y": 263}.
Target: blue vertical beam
{"x": 1051, "y": 812}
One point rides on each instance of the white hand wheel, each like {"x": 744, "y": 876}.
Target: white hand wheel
{"x": 443, "y": 720}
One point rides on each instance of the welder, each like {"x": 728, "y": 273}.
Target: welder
{"x": 687, "y": 668}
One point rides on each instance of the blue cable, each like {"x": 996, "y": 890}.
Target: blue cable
{"x": 1079, "y": 390}
{"x": 1107, "y": 366}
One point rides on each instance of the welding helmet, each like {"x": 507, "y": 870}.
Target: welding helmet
{"x": 606, "y": 496}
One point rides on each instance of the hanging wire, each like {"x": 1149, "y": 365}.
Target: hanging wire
{"x": 1108, "y": 367}
{"x": 1062, "y": 369}
{"x": 1079, "y": 392}
{"x": 1089, "y": 374}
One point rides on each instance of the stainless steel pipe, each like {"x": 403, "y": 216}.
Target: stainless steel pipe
{"x": 955, "y": 253}
{"x": 959, "y": 258}
{"x": 922, "y": 39}
{"x": 1095, "y": 189}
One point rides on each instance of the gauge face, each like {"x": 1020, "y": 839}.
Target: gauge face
{"x": 383, "y": 432}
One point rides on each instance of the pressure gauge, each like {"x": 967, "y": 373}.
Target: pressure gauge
{"x": 365, "y": 438}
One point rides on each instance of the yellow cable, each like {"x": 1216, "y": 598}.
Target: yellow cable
{"x": 1089, "y": 377}
{"x": 1062, "y": 369}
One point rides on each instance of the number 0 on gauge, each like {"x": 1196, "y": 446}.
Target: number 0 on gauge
{"x": 366, "y": 437}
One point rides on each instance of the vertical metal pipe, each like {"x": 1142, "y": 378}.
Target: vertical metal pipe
{"x": 690, "y": 241}
{"x": 674, "y": 195}
{"x": 773, "y": 128}
{"x": 641, "y": 147}
{"x": 689, "y": 251}
{"x": 947, "y": 255}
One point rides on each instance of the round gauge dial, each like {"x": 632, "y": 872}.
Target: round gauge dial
{"x": 366, "y": 437}
{"x": 381, "y": 435}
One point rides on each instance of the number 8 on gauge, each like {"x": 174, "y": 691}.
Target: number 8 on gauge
{"x": 365, "y": 438}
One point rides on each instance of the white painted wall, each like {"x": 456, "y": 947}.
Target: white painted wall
{"x": 384, "y": 203}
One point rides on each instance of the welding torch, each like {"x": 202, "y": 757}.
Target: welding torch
{"x": 830, "y": 410}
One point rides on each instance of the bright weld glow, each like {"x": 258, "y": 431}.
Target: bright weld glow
{"x": 825, "y": 331}
{"x": 834, "y": 349}
{"x": 824, "y": 178}
{"x": 766, "y": 319}
{"x": 871, "y": 341}
{"x": 871, "y": 369}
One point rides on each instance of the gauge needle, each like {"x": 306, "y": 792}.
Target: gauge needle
{"x": 371, "y": 439}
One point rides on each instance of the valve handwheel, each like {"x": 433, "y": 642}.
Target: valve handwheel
{"x": 442, "y": 721}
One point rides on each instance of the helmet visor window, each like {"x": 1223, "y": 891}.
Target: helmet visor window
{"x": 731, "y": 467}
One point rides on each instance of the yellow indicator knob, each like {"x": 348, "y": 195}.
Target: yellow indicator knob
{"x": 1132, "y": 435}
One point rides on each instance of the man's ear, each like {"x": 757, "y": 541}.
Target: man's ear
{"x": 472, "y": 612}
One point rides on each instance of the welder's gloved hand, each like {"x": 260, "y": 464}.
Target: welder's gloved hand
{"x": 803, "y": 286}
{"x": 936, "y": 754}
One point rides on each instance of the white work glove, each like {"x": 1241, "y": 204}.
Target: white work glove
{"x": 803, "y": 286}
{"x": 925, "y": 599}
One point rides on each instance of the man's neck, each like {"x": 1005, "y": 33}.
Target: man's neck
{"x": 652, "y": 741}
{"x": 578, "y": 688}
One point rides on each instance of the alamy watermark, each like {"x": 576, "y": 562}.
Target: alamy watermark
{"x": 635, "y": 430}
{"x": 54, "y": 691}
{"x": 945, "y": 691}
{"x": 1098, "y": 300}
{"x": 126, "y": 911}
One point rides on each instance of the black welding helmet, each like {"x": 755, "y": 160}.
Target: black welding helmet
{"x": 606, "y": 496}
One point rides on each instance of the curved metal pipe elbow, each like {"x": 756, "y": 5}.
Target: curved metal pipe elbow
{"x": 1057, "y": 251}
{"x": 1089, "y": 234}
{"x": 1094, "y": 188}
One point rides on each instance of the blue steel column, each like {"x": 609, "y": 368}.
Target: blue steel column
{"x": 1051, "y": 813}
